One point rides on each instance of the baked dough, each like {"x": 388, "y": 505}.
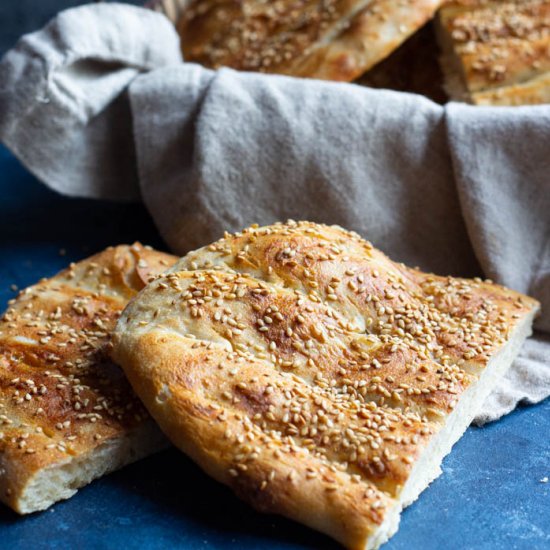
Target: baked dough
{"x": 314, "y": 376}
{"x": 496, "y": 52}
{"x": 326, "y": 39}
{"x": 67, "y": 414}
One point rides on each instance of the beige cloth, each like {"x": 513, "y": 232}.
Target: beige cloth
{"x": 458, "y": 190}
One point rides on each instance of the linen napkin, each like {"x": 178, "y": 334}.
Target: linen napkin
{"x": 99, "y": 104}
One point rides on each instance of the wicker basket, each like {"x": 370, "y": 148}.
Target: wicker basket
{"x": 171, "y": 8}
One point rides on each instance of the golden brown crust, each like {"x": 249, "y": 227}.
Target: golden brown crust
{"x": 332, "y": 40}
{"x": 60, "y": 396}
{"x": 501, "y": 49}
{"x": 303, "y": 368}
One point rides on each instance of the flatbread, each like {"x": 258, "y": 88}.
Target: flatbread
{"x": 496, "y": 52}
{"x": 328, "y": 39}
{"x": 67, "y": 414}
{"x": 310, "y": 373}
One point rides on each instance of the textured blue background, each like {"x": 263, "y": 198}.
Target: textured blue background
{"x": 489, "y": 496}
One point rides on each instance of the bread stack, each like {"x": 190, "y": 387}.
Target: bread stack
{"x": 295, "y": 363}
{"x": 487, "y": 52}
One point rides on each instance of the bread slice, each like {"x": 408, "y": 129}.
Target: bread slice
{"x": 313, "y": 375}
{"x": 496, "y": 52}
{"x": 67, "y": 414}
{"x": 330, "y": 40}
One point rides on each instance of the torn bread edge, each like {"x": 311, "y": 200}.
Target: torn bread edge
{"x": 62, "y": 480}
{"x": 428, "y": 466}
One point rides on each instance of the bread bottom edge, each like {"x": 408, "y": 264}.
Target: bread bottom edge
{"x": 62, "y": 480}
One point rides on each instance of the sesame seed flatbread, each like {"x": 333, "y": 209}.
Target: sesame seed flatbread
{"x": 313, "y": 375}
{"x": 67, "y": 414}
{"x": 496, "y": 52}
{"x": 328, "y": 39}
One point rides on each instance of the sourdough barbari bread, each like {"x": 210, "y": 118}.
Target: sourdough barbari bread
{"x": 496, "y": 52}
{"x": 329, "y": 39}
{"x": 317, "y": 378}
{"x": 67, "y": 414}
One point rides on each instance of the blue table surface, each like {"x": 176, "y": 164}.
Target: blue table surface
{"x": 489, "y": 497}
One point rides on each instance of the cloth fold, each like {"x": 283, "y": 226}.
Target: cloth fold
{"x": 457, "y": 190}
{"x": 64, "y": 110}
